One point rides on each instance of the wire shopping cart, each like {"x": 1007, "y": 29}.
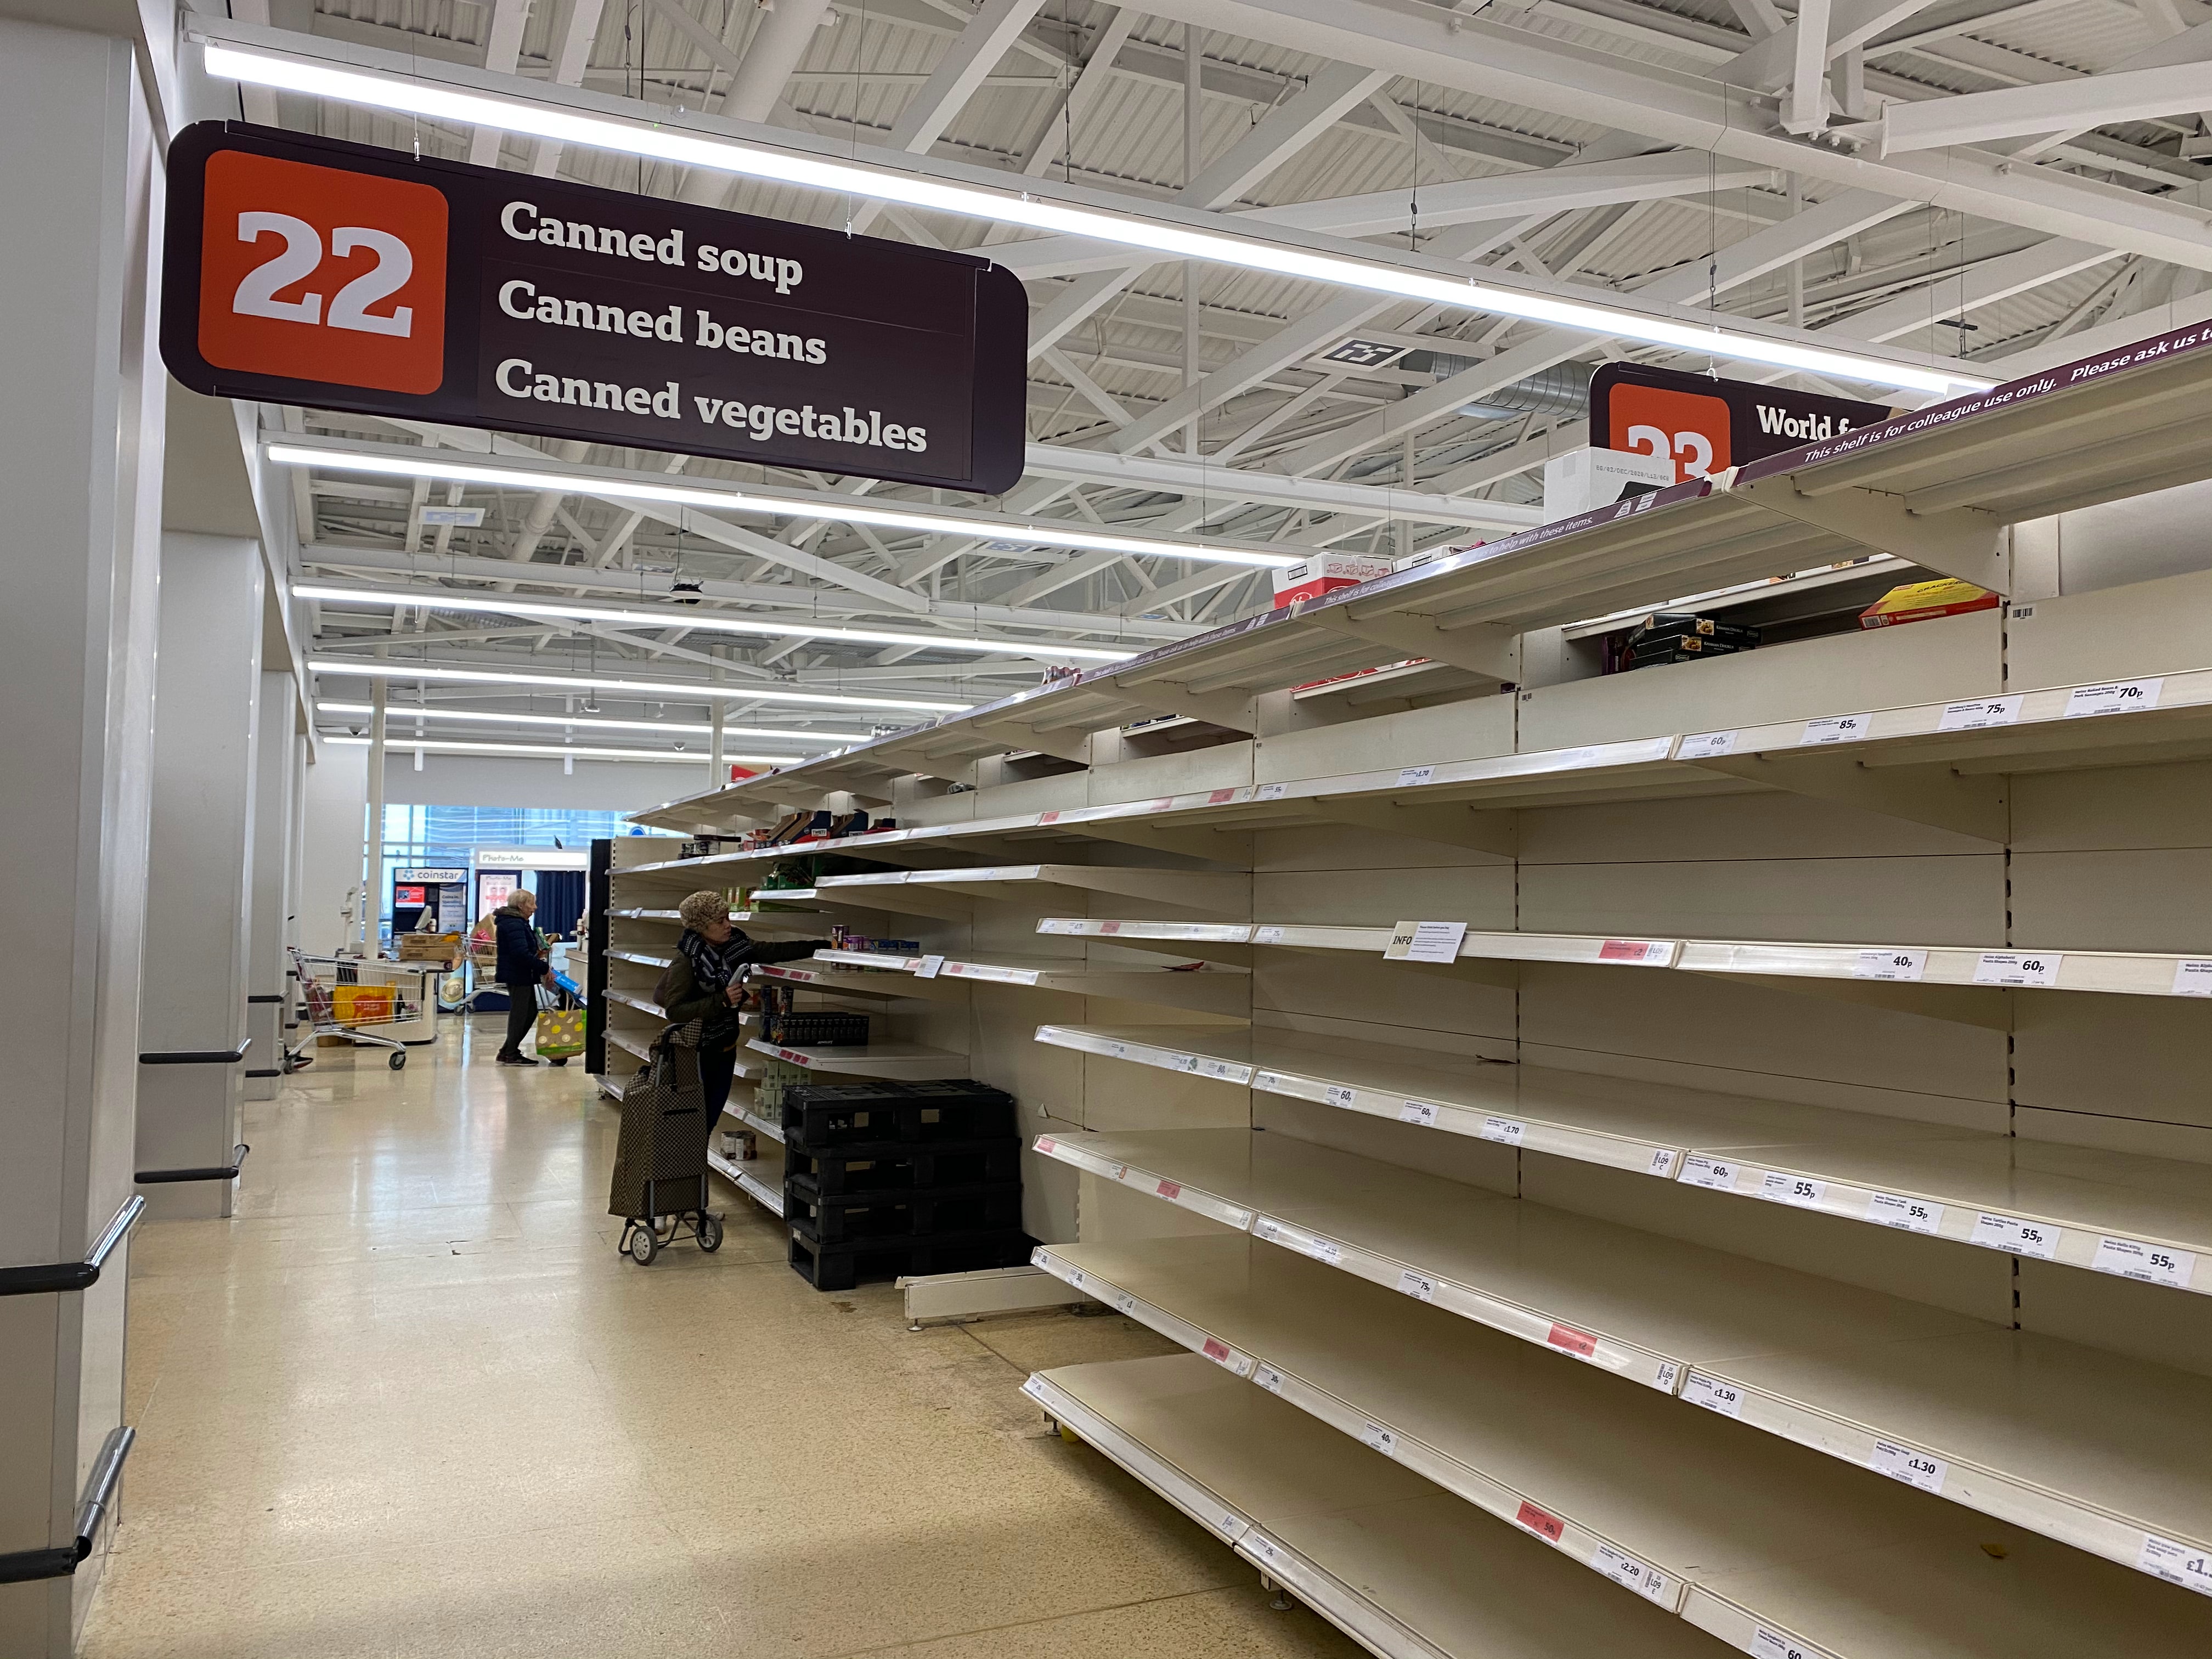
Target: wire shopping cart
{"x": 351, "y": 1016}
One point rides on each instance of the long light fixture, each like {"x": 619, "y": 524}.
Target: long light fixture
{"x": 555, "y": 751}
{"x": 493, "y": 717}
{"x": 696, "y": 619}
{"x": 413, "y": 95}
{"x": 1049, "y": 532}
{"x": 391, "y": 668}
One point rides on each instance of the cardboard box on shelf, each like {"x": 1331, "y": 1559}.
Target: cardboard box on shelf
{"x": 1324, "y": 574}
{"x": 1925, "y": 601}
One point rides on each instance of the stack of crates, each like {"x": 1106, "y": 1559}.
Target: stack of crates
{"x": 881, "y": 1179}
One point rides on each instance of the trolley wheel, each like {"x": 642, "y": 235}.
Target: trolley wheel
{"x": 563, "y": 1060}
{"x": 644, "y": 1244}
{"x": 399, "y": 1061}
{"x": 710, "y": 1232}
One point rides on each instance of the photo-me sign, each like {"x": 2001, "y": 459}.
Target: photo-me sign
{"x": 1707, "y": 426}
{"x": 302, "y": 270}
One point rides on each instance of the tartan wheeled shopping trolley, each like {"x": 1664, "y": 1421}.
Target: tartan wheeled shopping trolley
{"x": 661, "y": 1157}
{"x": 342, "y": 1007}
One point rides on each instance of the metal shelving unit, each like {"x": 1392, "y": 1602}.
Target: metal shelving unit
{"x": 1975, "y": 1413}
{"x": 1405, "y": 1571}
{"x": 2120, "y": 1213}
{"x": 1760, "y": 1542}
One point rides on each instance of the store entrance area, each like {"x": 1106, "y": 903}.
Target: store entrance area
{"x": 411, "y": 1401}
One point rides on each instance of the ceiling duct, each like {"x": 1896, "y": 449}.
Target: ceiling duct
{"x": 1562, "y": 389}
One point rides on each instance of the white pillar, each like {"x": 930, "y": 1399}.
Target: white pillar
{"x": 274, "y": 809}
{"x": 371, "y": 888}
{"x": 81, "y": 424}
{"x": 199, "y": 889}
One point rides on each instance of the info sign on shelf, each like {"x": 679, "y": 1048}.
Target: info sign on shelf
{"x": 304, "y": 270}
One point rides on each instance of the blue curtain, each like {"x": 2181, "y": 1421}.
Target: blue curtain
{"x": 560, "y": 901}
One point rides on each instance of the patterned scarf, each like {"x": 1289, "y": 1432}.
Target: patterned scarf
{"x": 712, "y": 967}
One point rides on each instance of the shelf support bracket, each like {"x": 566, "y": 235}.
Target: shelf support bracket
{"x": 1062, "y": 743}
{"x": 1230, "y": 847}
{"x": 1965, "y": 542}
{"x": 1236, "y": 713}
{"x": 1931, "y": 795}
{"x": 1493, "y": 832}
{"x": 1483, "y": 648}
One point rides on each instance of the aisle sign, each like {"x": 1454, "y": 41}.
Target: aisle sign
{"x": 303, "y": 271}
{"x": 1705, "y": 425}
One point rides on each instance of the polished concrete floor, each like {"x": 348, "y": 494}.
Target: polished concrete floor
{"x": 411, "y": 1403}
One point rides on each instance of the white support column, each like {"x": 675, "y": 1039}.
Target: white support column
{"x": 372, "y": 833}
{"x": 274, "y": 809}
{"x": 82, "y": 407}
{"x": 199, "y": 886}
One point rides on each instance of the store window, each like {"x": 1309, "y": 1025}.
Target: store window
{"x": 427, "y": 836}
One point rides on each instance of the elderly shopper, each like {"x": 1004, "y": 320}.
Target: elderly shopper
{"x": 701, "y": 983}
{"x": 522, "y": 968}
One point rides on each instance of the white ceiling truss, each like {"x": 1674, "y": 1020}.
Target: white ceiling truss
{"x": 1988, "y": 183}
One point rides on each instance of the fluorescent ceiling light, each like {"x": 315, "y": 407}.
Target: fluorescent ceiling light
{"x": 491, "y": 717}
{"x": 390, "y": 668}
{"x": 697, "y": 619}
{"x": 557, "y": 751}
{"x": 1049, "y": 531}
{"x": 410, "y": 96}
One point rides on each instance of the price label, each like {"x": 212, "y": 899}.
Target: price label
{"x": 1061, "y": 924}
{"x": 1408, "y": 776}
{"x": 930, "y": 968}
{"x": 1263, "y": 1547}
{"x": 2117, "y": 697}
{"x": 1571, "y": 1340}
{"x": 1109, "y": 926}
{"x": 1542, "y": 1523}
{"x": 1915, "y": 1468}
{"x": 1184, "y": 1062}
{"x": 1713, "y": 1395}
{"x": 1703, "y": 746}
{"x": 1034, "y": 1388}
{"x": 1506, "y": 1131}
{"x": 2154, "y": 1264}
{"x": 1037, "y": 1257}
{"x": 1117, "y": 1051}
{"x": 1047, "y": 1144}
{"x": 1375, "y": 1435}
{"x": 1230, "y": 1523}
{"x": 1633, "y": 950}
{"x": 1890, "y": 964}
{"x": 1165, "y": 1188}
{"x": 1075, "y": 1277}
{"x": 1710, "y": 1172}
{"x": 1669, "y": 1374}
{"x": 1218, "y": 797}
{"x": 1801, "y": 1191}
{"x": 2177, "y": 1564}
{"x": 1266, "y": 1080}
{"x": 1320, "y": 1250}
{"x": 1979, "y": 713}
{"x": 1270, "y": 792}
{"x": 1125, "y": 1302}
{"x": 1661, "y": 1164}
{"x": 1418, "y": 1285}
{"x": 1766, "y": 1644}
{"x": 1269, "y": 1378}
{"x": 1267, "y": 936}
{"x": 1912, "y": 1215}
{"x": 1226, "y": 1071}
{"x": 2018, "y": 968}
{"x": 2017, "y": 1237}
{"x": 1836, "y": 728}
{"x": 1426, "y": 941}
{"x": 1226, "y": 1357}
{"x": 1641, "y": 1577}
{"x": 1336, "y": 1094}
{"x": 2192, "y": 977}
{"x": 1418, "y": 1111}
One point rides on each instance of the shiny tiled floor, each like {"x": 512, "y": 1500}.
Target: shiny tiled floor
{"x": 411, "y": 1401}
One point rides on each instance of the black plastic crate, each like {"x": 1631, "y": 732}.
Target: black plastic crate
{"x": 901, "y": 1166}
{"x": 845, "y": 1217}
{"x": 840, "y": 1267}
{"x": 826, "y": 1118}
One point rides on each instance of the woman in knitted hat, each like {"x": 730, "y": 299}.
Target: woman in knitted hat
{"x": 701, "y": 984}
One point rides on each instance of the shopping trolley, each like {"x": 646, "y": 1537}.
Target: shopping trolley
{"x": 380, "y": 1005}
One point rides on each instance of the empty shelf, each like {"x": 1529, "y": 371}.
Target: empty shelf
{"x": 908, "y": 1062}
{"x": 1212, "y": 989}
{"x": 760, "y": 1179}
{"x": 1408, "y": 1571}
{"x": 861, "y": 975}
{"x": 631, "y": 999}
{"x": 1761, "y": 1542}
{"x": 2071, "y": 1441}
{"x": 2146, "y": 1218}
{"x": 639, "y": 957}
